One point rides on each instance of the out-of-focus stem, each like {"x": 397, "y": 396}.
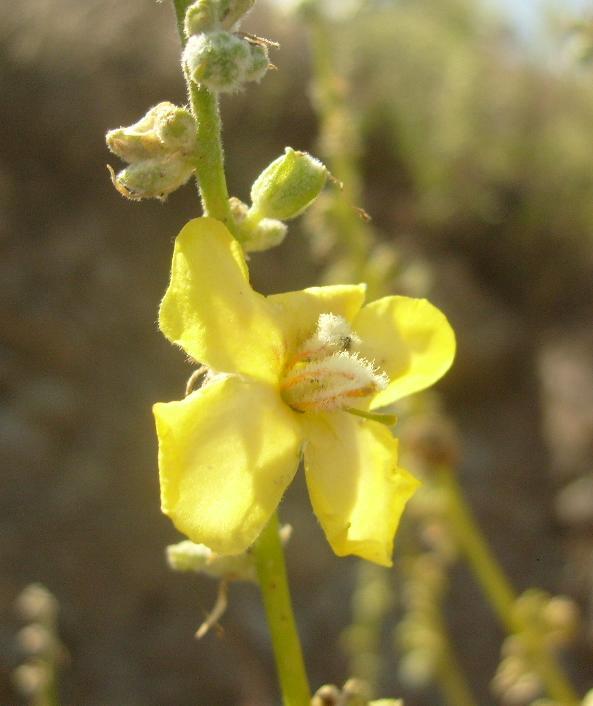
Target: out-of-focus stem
{"x": 271, "y": 571}
{"x": 336, "y": 128}
{"x": 450, "y": 677}
{"x": 499, "y": 591}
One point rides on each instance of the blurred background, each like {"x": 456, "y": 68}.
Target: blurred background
{"x": 477, "y": 134}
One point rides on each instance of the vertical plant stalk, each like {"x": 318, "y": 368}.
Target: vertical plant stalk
{"x": 268, "y": 551}
{"x": 271, "y": 572}
{"x": 209, "y": 157}
{"x": 499, "y": 591}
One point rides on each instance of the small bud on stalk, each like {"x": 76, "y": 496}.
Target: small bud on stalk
{"x": 255, "y": 237}
{"x": 164, "y": 129}
{"x": 208, "y": 15}
{"x": 158, "y": 148}
{"x": 288, "y": 186}
{"x": 223, "y": 62}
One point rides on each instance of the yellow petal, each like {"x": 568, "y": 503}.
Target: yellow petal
{"x": 226, "y": 454}
{"x": 409, "y": 339}
{"x": 297, "y": 312}
{"x": 356, "y": 488}
{"x": 210, "y": 309}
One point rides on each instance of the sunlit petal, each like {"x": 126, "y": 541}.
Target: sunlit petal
{"x": 226, "y": 454}
{"x": 409, "y": 339}
{"x": 357, "y": 490}
{"x": 210, "y": 309}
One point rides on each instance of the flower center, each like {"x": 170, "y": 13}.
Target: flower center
{"x": 327, "y": 373}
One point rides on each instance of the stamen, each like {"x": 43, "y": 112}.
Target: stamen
{"x": 325, "y": 374}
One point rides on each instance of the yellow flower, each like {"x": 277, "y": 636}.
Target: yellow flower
{"x": 283, "y": 371}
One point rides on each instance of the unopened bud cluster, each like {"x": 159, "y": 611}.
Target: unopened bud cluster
{"x": 419, "y": 635}
{"x": 158, "y": 149}
{"x": 39, "y": 644}
{"x": 215, "y": 57}
{"x": 285, "y": 188}
{"x": 551, "y": 621}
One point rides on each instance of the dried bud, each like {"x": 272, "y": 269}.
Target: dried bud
{"x": 288, "y": 185}
{"x": 165, "y": 128}
{"x": 223, "y": 62}
{"x": 151, "y": 178}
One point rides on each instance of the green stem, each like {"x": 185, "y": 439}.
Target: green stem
{"x": 271, "y": 571}
{"x": 180, "y": 10}
{"x": 499, "y": 591}
{"x": 209, "y": 157}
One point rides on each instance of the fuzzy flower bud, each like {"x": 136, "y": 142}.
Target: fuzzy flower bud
{"x": 288, "y": 185}
{"x": 164, "y": 129}
{"x": 223, "y": 62}
{"x": 201, "y": 16}
{"x": 208, "y": 15}
{"x": 256, "y": 236}
{"x": 187, "y": 556}
{"x": 232, "y": 12}
{"x": 151, "y": 178}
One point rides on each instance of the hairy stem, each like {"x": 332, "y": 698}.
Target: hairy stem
{"x": 271, "y": 571}
{"x": 209, "y": 157}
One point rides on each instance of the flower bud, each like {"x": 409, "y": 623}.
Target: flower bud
{"x": 233, "y": 11}
{"x": 259, "y": 62}
{"x": 201, "y": 16}
{"x": 256, "y": 236}
{"x": 209, "y": 15}
{"x": 151, "y": 178}
{"x": 223, "y": 62}
{"x": 187, "y": 556}
{"x": 164, "y": 129}
{"x": 288, "y": 185}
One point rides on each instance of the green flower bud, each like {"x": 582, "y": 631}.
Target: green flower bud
{"x": 267, "y": 234}
{"x": 288, "y": 185}
{"x": 164, "y": 129}
{"x": 201, "y": 16}
{"x": 259, "y": 62}
{"x": 257, "y": 235}
{"x": 176, "y": 129}
{"x": 210, "y": 15}
{"x": 222, "y": 61}
{"x": 151, "y": 178}
{"x": 232, "y": 12}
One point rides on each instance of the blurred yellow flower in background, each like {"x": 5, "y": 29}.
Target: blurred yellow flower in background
{"x": 298, "y": 372}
